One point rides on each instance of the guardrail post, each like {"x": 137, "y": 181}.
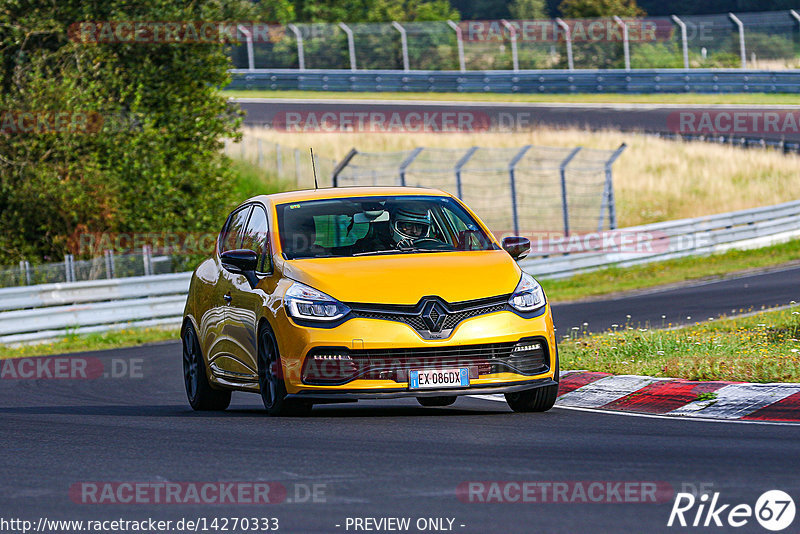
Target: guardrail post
{"x": 562, "y": 170}
{"x": 459, "y": 165}
{"x": 147, "y": 260}
{"x": 251, "y": 65}
{"x": 340, "y": 167}
{"x": 608, "y": 193}
{"x": 684, "y": 40}
{"x": 460, "y": 43}
{"x": 625, "y": 44}
{"x": 351, "y": 44}
{"x": 568, "y": 36}
{"x": 406, "y": 162}
{"x": 513, "y": 34}
{"x": 109, "y": 257}
{"x": 512, "y": 166}
{"x": 301, "y": 54}
{"x": 403, "y": 43}
{"x": 742, "y": 48}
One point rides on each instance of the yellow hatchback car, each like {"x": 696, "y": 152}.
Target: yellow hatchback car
{"x": 336, "y": 295}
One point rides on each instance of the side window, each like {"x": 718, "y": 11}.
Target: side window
{"x": 231, "y": 236}
{"x": 256, "y": 239}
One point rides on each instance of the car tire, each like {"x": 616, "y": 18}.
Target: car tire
{"x": 538, "y": 399}
{"x": 437, "y": 401}
{"x": 270, "y": 378}
{"x": 202, "y": 396}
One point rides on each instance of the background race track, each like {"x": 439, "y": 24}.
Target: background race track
{"x": 652, "y": 118}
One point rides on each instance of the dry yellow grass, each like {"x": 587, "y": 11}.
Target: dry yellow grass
{"x": 654, "y": 180}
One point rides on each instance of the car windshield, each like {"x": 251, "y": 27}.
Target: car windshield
{"x": 366, "y": 226}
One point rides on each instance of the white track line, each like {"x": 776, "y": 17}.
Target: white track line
{"x": 697, "y": 419}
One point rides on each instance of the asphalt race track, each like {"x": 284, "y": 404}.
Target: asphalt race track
{"x": 384, "y": 458}
{"x": 376, "y": 459}
{"x": 652, "y": 118}
{"x": 685, "y": 304}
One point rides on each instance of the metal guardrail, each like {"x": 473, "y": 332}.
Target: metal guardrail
{"x": 674, "y": 239}
{"x": 529, "y": 81}
{"x": 32, "y": 313}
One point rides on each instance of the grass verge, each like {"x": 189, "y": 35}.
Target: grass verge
{"x": 763, "y": 347}
{"x": 113, "y": 339}
{"x": 582, "y": 98}
{"x": 615, "y": 279}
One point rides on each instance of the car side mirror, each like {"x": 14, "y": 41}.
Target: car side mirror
{"x": 243, "y": 260}
{"x": 517, "y": 247}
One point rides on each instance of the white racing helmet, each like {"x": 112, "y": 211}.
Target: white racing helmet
{"x": 410, "y": 224}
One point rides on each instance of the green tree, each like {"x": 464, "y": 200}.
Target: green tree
{"x": 150, "y": 159}
{"x": 578, "y": 9}
{"x": 373, "y": 10}
{"x": 528, "y": 9}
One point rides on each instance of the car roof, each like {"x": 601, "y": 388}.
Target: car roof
{"x": 345, "y": 192}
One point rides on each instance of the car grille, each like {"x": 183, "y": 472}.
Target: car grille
{"x": 414, "y": 316}
{"x": 394, "y": 364}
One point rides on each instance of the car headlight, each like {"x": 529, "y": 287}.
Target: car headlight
{"x": 528, "y": 296}
{"x": 307, "y": 303}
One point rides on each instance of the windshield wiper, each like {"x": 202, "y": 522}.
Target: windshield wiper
{"x": 377, "y": 252}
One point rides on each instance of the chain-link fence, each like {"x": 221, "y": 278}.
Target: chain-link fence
{"x": 525, "y": 189}
{"x": 765, "y": 40}
{"x": 108, "y": 266}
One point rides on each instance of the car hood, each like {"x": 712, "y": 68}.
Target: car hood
{"x": 406, "y": 278}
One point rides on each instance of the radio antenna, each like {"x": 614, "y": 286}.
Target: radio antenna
{"x": 314, "y": 167}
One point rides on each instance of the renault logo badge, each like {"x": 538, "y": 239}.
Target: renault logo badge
{"x": 433, "y": 314}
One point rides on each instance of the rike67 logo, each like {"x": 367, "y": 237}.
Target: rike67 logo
{"x": 774, "y": 510}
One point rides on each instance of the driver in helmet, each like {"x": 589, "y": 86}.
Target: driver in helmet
{"x": 409, "y": 225}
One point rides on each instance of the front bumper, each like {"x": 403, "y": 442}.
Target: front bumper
{"x": 397, "y": 393}
{"x": 295, "y": 342}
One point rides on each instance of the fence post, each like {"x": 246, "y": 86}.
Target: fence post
{"x": 109, "y": 257}
{"x": 403, "y": 43}
{"x": 684, "y": 40}
{"x": 25, "y": 271}
{"x": 148, "y": 260}
{"x": 562, "y": 170}
{"x": 513, "y": 34}
{"x": 341, "y": 165}
{"x": 251, "y": 65}
{"x": 278, "y": 159}
{"x": 625, "y": 44}
{"x": 742, "y": 48}
{"x": 406, "y": 162}
{"x": 568, "y": 35}
{"x": 795, "y": 14}
{"x": 512, "y": 165}
{"x": 351, "y": 45}
{"x": 301, "y": 54}
{"x": 608, "y": 192}
{"x": 69, "y": 268}
{"x": 260, "y": 153}
{"x": 459, "y": 165}
{"x": 460, "y": 43}
{"x": 297, "y": 166}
